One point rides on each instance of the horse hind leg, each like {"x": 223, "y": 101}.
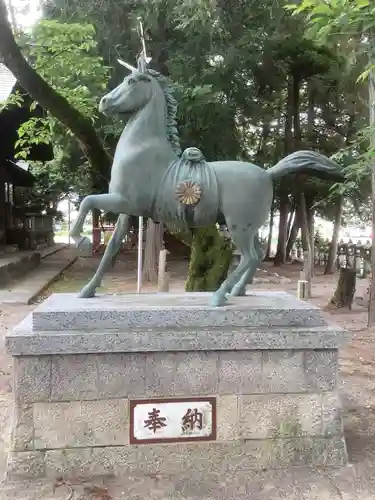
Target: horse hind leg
{"x": 240, "y": 238}
{"x": 239, "y": 288}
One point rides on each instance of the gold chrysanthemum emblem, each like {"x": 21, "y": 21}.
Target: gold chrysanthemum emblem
{"x": 188, "y": 193}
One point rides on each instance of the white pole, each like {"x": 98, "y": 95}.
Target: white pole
{"x": 69, "y": 221}
{"x": 140, "y": 249}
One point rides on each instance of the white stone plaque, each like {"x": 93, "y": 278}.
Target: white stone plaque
{"x": 169, "y": 420}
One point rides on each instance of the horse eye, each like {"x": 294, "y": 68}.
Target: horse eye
{"x": 131, "y": 81}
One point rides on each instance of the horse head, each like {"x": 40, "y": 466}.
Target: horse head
{"x": 132, "y": 94}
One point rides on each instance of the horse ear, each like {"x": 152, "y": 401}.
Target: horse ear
{"x": 127, "y": 66}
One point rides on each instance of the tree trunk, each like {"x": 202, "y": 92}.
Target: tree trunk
{"x": 50, "y": 100}
{"x": 160, "y": 38}
{"x": 154, "y": 232}
{"x": 371, "y": 311}
{"x": 270, "y": 231}
{"x": 311, "y": 230}
{"x": 344, "y": 294}
{"x": 293, "y": 235}
{"x": 310, "y": 114}
{"x": 211, "y": 257}
{"x": 280, "y": 256}
{"x": 12, "y": 15}
{"x": 297, "y": 134}
{"x": 260, "y": 154}
{"x": 289, "y": 112}
{"x": 330, "y": 266}
{"x": 154, "y": 241}
{"x": 294, "y": 140}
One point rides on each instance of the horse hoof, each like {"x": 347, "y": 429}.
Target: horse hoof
{"x": 218, "y": 300}
{"x": 84, "y": 245}
{"x": 86, "y": 293}
{"x": 238, "y": 292}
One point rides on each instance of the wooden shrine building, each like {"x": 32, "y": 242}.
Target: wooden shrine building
{"x": 17, "y": 225}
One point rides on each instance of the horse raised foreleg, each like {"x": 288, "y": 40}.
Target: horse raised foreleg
{"x": 107, "y": 202}
{"x": 111, "y": 250}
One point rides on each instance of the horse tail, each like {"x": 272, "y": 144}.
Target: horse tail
{"x": 307, "y": 162}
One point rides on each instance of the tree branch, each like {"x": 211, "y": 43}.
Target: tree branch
{"x": 56, "y": 104}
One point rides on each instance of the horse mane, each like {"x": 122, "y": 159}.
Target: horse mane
{"x": 171, "y": 105}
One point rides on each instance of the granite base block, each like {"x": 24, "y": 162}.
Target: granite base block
{"x": 169, "y": 310}
{"x": 76, "y": 377}
{"x": 23, "y": 465}
{"x": 22, "y": 431}
{"x": 174, "y": 459}
{"x": 84, "y": 424}
{"x": 275, "y": 387}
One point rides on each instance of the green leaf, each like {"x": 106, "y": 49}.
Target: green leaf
{"x": 363, "y": 3}
{"x": 364, "y": 75}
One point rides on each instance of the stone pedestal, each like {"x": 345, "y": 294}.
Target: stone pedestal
{"x": 263, "y": 368}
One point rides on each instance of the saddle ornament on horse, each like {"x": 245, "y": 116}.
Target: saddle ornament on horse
{"x": 188, "y": 193}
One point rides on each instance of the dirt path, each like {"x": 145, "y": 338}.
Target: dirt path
{"x": 357, "y": 380}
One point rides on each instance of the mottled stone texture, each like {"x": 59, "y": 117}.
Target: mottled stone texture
{"x": 277, "y": 400}
{"x": 81, "y": 423}
{"x": 218, "y": 457}
{"x": 166, "y": 310}
{"x": 99, "y": 376}
{"x": 171, "y": 322}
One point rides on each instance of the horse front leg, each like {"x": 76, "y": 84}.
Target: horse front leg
{"x": 110, "y": 202}
{"x": 113, "y": 247}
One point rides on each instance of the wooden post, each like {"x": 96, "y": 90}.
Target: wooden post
{"x": 371, "y": 82}
{"x": 163, "y": 283}
{"x": 311, "y": 234}
{"x": 154, "y": 239}
{"x": 302, "y": 289}
{"x": 306, "y": 243}
{"x": 307, "y": 271}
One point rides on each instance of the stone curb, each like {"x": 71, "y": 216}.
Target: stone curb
{"x": 51, "y": 279}
{"x": 51, "y": 251}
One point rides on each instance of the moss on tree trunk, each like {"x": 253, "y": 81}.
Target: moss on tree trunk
{"x": 211, "y": 257}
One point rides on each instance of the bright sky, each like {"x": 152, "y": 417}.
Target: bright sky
{"x": 31, "y": 11}
{"x": 26, "y": 13}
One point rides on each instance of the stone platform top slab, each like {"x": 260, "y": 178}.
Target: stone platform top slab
{"x": 172, "y": 322}
{"x": 174, "y": 310}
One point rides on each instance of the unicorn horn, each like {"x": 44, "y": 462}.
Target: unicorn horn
{"x": 127, "y": 66}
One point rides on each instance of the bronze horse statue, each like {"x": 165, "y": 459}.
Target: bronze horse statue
{"x": 151, "y": 178}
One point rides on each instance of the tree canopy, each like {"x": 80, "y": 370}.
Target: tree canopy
{"x": 250, "y": 81}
